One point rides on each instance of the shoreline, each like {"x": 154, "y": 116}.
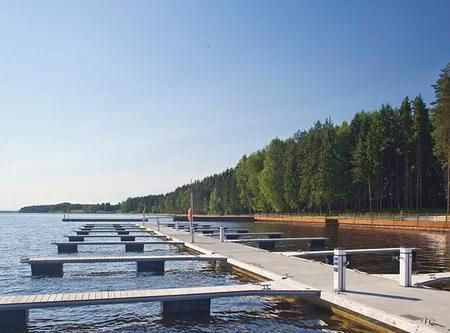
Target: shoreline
{"x": 358, "y": 222}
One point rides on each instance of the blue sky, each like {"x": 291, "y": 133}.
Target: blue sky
{"x": 101, "y": 100}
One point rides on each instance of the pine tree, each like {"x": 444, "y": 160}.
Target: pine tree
{"x": 271, "y": 177}
{"x": 441, "y": 122}
{"x": 405, "y": 147}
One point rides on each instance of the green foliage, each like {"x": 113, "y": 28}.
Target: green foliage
{"x": 441, "y": 122}
{"x": 441, "y": 116}
{"x": 66, "y": 207}
{"x": 271, "y": 177}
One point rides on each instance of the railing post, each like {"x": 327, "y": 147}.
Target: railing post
{"x": 339, "y": 264}
{"x": 222, "y": 234}
{"x": 405, "y": 267}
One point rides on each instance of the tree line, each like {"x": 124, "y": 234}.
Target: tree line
{"x": 66, "y": 207}
{"x": 390, "y": 159}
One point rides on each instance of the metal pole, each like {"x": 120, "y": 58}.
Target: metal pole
{"x": 448, "y": 188}
{"x": 176, "y": 225}
{"x": 339, "y": 263}
{"x": 191, "y": 215}
{"x": 405, "y": 267}
{"x": 157, "y": 223}
{"x": 222, "y": 234}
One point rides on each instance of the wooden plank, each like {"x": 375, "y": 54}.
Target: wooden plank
{"x": 39, "y": 298}
{"x": 5, "y": 299}
{"x": 17, "y": 299}
{"x": 46, "y": 298}
{"x": 32, "y": 298}
{"x": 59, "y": 297}
{"x": 71, "y": 296}
{"x": 52, "y": 298}
{"x": 125, "y": 296}
{"x": 86, "y": 259}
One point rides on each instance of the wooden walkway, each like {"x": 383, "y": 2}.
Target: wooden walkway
{"x": 141, "y": 235}
{"x": 97, "y": 259}
{"x": 130, "y": 246}
{"x": 25, "y": 302}
{"x": 53, "y": 266}
{"x": 121, "y": 243}
{"x": 95, "y": 231}
{"x": 117, "y": 227}
{"x": 104, "y": 220}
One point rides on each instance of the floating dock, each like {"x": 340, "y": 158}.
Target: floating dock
{"x": 238, "y": 235}
{"x": 130, "y": 246}
{"x": 80, "y": 238}
{"x": 175, "y": 302}
{"x": 53, "y": 266}
{"x": 269, "y": 243}
{"x": 81, "y": 219}
{"x": 119, "y": 232}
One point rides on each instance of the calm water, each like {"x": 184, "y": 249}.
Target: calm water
{"x": 31, "y": 235}
{"x": 433, "y": 256}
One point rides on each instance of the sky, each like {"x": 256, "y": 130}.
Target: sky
{"x": 104, "y": 100}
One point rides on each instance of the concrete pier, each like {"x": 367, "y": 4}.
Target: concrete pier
{"x": 381, "y": 300}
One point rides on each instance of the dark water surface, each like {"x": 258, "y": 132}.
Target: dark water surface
{"x": 31, "y": 234}
{"x": 433, "y": 254}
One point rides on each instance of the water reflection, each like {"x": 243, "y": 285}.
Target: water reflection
{"x": 433, "y": 254}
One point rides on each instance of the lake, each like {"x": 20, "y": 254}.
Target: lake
{"x": 30, "y": 235}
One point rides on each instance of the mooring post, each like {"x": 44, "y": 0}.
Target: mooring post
{"x": 222, "y": 234}
{"x": 406, "y": 256}
{"x": 157, "y": 223}
{"x": 177, "y": 227}
{"x": 339, "y": 263}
